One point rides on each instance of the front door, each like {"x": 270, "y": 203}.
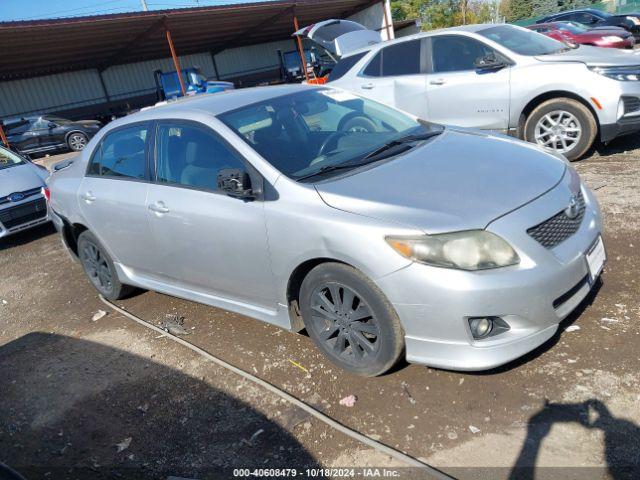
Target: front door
{"x": 113, "y": 196}
{"x": 206, "y": 241}
{"x": 459, "y": 94}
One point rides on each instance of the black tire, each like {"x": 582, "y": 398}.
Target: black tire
{"x": 575, "y": 112}
{"x": 99, "y": 268}
{"x": 369, "y": 328}
{"x": 76, "y": 141}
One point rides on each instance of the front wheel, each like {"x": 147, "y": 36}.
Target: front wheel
{"x": 350, "y": 319}
{"x": 562, "y": 125}
{"x": 77, "y": 141}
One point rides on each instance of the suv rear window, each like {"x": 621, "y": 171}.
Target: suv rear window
{"x": 344, "y": 65}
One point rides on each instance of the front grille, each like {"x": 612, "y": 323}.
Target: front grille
{"x": 631, "y": 104}
{"x": 558, "y": 228}
{"x": 26, "y": 194}
{"x": 25, "y": 213}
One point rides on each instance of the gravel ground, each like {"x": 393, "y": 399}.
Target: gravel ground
{"x": 73, "y": 389}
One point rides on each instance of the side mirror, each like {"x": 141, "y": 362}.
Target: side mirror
{"x": 235, "y": 183}
{"x": 490, "y": 63}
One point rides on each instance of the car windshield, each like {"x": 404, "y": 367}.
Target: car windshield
{"x": 522, "y": 41}
{"x": 9, "y": 159}
{"x": 58, "y": 120}
{"x": 318, "y": 131}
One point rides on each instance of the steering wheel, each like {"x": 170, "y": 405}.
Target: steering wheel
{"x": 330, "y": 141}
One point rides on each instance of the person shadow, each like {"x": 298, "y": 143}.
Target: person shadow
{"x": 72, "y": 408}
{"x": 621, "y": 439}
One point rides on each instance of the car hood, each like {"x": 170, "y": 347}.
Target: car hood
{"x": 20, "y": 178}
{"x": 603, "y": 32}
{"x": 460, "y": 180}
{"x": 595, "y": 56}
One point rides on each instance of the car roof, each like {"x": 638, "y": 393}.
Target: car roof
{"x": 215, "y": 103}
{"x": 580, "y": 10}
{"x": 478, "y": 27}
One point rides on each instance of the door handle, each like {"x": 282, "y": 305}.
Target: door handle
{"x": 367, "y": 86}
{"x": 438, "y": 81}
{"x": 88, "y": 197}
{"x": 159, "y": 207}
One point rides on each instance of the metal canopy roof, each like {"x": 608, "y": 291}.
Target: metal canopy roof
{"x": 32, "y": 48}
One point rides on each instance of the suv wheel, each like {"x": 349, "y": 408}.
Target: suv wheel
{"x": 562, "y": 125}
{"x": 350, "y": 320}
{"x": 98, "y": 266}
{"x": 77, "y": 141}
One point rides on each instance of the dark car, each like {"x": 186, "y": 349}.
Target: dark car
{"x": 45, "y": 134}
{"x": 575, "y": 33}
{"x": 596, "y": 18}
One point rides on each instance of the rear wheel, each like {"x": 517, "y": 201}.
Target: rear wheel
{"x": 77, "y": 141}
{"x": 562, "y": 125}
{"x": 350, "y": 320}
{"x": 99, "y": 268}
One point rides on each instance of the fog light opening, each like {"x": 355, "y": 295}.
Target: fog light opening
{"x": 481, "y": 327}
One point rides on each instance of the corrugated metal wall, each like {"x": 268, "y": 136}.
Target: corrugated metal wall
{"x": 252, "y": 58}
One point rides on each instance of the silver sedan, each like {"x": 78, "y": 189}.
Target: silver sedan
{"x": 308, "y": 207}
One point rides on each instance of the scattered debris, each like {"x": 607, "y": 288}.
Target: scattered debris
{"x": 461, "y": 381}
{"x": 572, "y": 328}
{"x": 143, "y": 408}
{"x": 123, "y": 445}
{"x": 292, "y": 362}
{"x": 610, "y": 320}
{"x": 175, "y": 324}
{"x": 473, "y": 429}
{"x": 405, "y": 387}
{"x": 4, "y": 302}
{"x": 294, "y": 416}
{"x": 252, "y": 441}
{"x": 349, "y": 401}
{"x": 452, "y": 435}
{"x": 98, "y": 315}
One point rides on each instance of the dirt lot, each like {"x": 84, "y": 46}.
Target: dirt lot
{"x": 73, "y": 389}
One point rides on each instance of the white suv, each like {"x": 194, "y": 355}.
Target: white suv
{"x": 501, "y": 78}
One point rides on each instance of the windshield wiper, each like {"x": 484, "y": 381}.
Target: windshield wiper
{"x": 377, "y": 153}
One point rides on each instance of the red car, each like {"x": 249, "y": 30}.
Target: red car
{"x": 571, "y": 32}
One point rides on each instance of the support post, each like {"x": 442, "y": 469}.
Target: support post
{"x": 176, "y": 62}
{"x": 387, "y": 26}
{"x": 3, "y": 137}
{"x": 300, "y": 50}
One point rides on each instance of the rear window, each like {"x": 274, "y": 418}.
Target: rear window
{"x": 121, "y": 153}
{"x": 344, "y": 65}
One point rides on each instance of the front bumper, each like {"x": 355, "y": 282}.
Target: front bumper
{"x": 434, "y": 304}
{"x": 23, "y": 215}
{"x": 624, "y": 126}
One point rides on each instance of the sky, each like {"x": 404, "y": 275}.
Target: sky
{"x": 11, "y": 10}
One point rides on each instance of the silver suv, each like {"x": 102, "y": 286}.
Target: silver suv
{"x": 497, "y": 77}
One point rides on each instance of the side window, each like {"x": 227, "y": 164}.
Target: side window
{"x": 453, "y": 53}
{"x": 122, "y": 153}
{"x": 344, "y": 65}
{"x": 191, "y": 156}
{"x": 38, "y": 124}
{"x": 374, "y": 68}
{"x": 401, "y": 59}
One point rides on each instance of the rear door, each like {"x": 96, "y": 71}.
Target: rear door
{"x": 396, "y": 76}
{"x": 113, "y": 194}
{"x": 458, "y": 93}
{"x": 206, "y": 240}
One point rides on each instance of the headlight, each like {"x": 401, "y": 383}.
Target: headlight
{"x": 469, "y": 250}
{"x": 622, "y": 74}
{"x": 612, "y": 38}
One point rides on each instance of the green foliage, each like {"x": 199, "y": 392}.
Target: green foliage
{"x": 444, "y": 13}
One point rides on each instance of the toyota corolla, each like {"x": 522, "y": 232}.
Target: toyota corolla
{"x": 309, "y": 207}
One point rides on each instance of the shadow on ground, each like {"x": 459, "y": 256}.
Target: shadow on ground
{"x": 66, "y": 403}
{"x": 619, "y": 145}
{"x": 621, "y": 438}
{"x": 27, "y": 236}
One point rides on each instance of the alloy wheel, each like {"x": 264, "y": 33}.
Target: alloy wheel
{"x": 77, "y": 142}
{"x": 96, "y": 267}
{"x": 345, "y": 323}
{"x": 559, "y": 131}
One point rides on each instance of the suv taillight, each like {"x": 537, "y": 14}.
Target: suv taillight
{"x": 46, "y": 193}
